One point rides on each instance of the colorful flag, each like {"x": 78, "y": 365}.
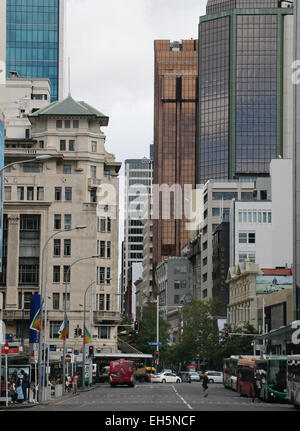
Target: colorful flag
{"x": 36, "y": 321}
{"x": 87, "y": 336}
{"x": 63, "y": 330}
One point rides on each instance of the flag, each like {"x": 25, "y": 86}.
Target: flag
{"x": 36, "y": 321}
{"x": 63, "y": 330}
{"x": 87, "y": 336}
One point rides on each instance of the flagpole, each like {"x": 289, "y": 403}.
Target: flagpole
{"x": 84, "y": 332}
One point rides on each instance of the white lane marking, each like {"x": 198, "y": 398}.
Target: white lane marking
{"x": 182, "y": 399}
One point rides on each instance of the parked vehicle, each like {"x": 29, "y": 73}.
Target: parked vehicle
{"x": 293, "y": 380}
{"x": 185, "y": 376}
{"x": 165, "y": 378}
{"x": 214, "y": 376}
{"x": 229, "y": 372}
{"x": 121, "y": 373}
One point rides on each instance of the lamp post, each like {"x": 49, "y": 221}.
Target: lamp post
{"x": 83, "y": 345}
{"x": 65, "y": 312}
{"x": 42, "y": 292}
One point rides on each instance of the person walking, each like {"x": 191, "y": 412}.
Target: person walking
{"x": 74, "y": 383}
{"x": 3, "y": 387}
{"x": 19, "y": 392}
{"x": 205, "y": 384}
{"x": 25, "y": 384}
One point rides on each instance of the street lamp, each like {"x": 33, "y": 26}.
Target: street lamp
{"x": 83, "y": 345}
{"x": 65, "y": 311}
{"x": 42, "y": 295}
{"x": 42, "y": 157}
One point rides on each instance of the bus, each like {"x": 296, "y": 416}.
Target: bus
{"x": 293, "y": 380}
{"x": 272, "y": 373}
{"x": 142, "y": 364}
{"x": 229, "y": 372}
{"x": 246, "y": 369}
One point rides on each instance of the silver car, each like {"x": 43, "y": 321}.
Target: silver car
{"x": 194, "y": 376}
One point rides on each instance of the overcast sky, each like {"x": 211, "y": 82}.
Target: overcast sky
{"x": 110, "y": 45}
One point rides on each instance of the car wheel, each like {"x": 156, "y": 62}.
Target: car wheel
{"x": 177, "y": 381}
{"x": 211, "y": 381}
{"x": 163, "y": 381}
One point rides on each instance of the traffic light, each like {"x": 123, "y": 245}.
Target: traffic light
{"x": 156, "y": 354}
{"x": 91, "y": 351}
{"x": 136, "y": 325}
{"x": 226, "y": 333}
{"x": 76, "y": 332}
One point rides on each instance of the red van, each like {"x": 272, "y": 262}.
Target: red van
{"x": 121, "y": 373}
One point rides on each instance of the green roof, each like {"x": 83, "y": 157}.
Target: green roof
{"x": 70, "y": 107}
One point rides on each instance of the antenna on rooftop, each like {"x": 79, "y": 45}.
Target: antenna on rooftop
{"x": 69, "y": 77}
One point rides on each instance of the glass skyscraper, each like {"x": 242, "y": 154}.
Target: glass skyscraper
{"x": 34, "y": 40}
{"x": 241, "y": 87}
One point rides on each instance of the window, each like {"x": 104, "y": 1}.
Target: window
{"x": 28, "y": 271}
{"x": 30, "y": 193}
{"x": 40, "y": 194}
{"x": 67, "y": 124}
{"x": 7, "y": 193}
{"x": 94, "y": 147}
{"x": 102, "y": 249}
{"x": 56, "y": 247}
{"x": 263, "y": 195}
{"x": 102, "y": 224}
{"x": 27, "y": 299}
{"x": 242, "y": 238}
{"x": 204, "y": 277}
{"x": 75, "y": 124}
{"x": 101, "y": 302}
{"x": 100, "y": 275}
{"x": 62, "y": 145}
{"x": 20, "y": 193}
{"x": 71, "y": 145}
{"x": 67, "y": 247}
{"x": 56, "y": 274}
{"x": 57, "y": 221}
{"x": 251, "y": 238}
{"x": 68, "y": 221}
{"x": 57, "y": 193}
{"x": 55, "y": 301}
{"x": 176, "y": 299}
{"x": 58, "y": 124}
{"x": 242, "y": 257}
{"x": 67, "y": 274}
{"x": 93, "y": 171}
{"x": 54, "y": 327}
{"x": 108, "y": 249}
{"x": 93, "y": 195}
{"x": 104, "y": 332}
{"x": 269, "y": 217}
{"x": 68, "y": 193}
{"x": 215, "y": 212}
{"x": 108, "y": 302}
{"x": 108, "y": 275}
{"x": 177, "y": 284}
{"x": 41, "y": 144}
{"x": 67, "y": 169}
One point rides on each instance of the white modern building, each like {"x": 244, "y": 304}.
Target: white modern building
{"x": 262, "y": 231}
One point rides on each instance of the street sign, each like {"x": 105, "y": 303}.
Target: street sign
{"x": 52, "y": 348}
{"x": 5, "y": 349}
{"x": 68, "y": 358}
{"x": 154, "y": 343}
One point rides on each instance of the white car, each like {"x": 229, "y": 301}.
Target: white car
{"x": 214, "y": 376}
{"x": 195, "y": 377}
{"x": 165, "y": 378}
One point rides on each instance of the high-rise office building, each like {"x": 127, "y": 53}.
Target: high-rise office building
{"x": 175, "y": 104}
{"x": 34, "y": 41}
{"x": 244, "y": 90}
{"x": 138, "y": 184}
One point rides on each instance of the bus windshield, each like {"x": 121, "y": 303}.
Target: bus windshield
{"x": 277, "y": 375}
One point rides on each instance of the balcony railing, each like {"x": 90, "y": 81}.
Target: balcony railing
{"x": 16, "y": 314}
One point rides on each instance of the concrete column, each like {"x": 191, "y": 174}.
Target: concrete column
{"x": 12, "y": 261}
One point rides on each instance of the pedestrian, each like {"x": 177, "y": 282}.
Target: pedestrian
{"x": 205, "y": 384}
{"x": 25, "y": 384}
{"x": 12, "y": 392}
{"x": 257, "y": 387}
{"x": 69, "y": 383}
{"x": 19, "y": 392}
{"x": 3, "y": 387}
{"x": 74, "y": 383}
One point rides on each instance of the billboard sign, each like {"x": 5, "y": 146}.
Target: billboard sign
{"x": 35, "y": 303}
{"x": 266, "y": 284}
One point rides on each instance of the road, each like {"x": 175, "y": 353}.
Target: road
{"x": 157, "y": 397}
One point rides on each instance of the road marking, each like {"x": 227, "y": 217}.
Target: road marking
{"x": 187, "y": 404}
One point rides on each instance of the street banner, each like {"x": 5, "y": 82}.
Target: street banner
{"x": 2, "y": 135}
{"x": 87, "y": 336}
{"x": 35, "y": 318}
{"x": 63, "y": 330}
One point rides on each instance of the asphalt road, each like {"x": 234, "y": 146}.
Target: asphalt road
{"x": 158, "y": 397}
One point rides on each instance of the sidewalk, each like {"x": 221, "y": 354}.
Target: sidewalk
{"x": 27, "y": 405}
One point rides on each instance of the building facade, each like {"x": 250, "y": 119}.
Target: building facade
{"x": 138, "y": 188}
{"x": 51, "y": 201}
{"x": 245, "y": 88}
{"x": 35, "y": 41}
{"x": 175, "y": 105}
